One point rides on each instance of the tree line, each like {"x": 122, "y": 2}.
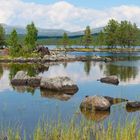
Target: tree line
{"x": 123, "y": 34}
{"x": 15, "y": 48}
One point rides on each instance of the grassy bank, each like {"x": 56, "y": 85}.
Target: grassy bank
{"x": 84, "y": 131}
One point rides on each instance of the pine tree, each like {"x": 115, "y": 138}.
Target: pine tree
{"x": 13, "y": 43}
{"x": 101, "y": 39}
{"x": 87, "y": 39}
{"x": 2, "y": 36}
{"x": 111, "y": 33}
{"x": 65, "y": 40}
{"x": 31, "y": 37}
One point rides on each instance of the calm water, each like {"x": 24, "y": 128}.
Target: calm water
{"x": 25, "y": 106}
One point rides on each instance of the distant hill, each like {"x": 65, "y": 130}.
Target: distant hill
{"x": 48, "y": 32}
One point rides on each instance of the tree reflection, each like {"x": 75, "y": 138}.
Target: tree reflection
{"x": 1, "y": 71}
{"x": 87, "y": 67}
{"x": 123, "y": 72}
{"x": 65, "y": 64}
{"x": 23, "y": 89}
{"x": 32, "y": 69}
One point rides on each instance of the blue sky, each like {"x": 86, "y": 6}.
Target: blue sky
{"x": 97, "y": 4}
{"x": 72, "y": 15}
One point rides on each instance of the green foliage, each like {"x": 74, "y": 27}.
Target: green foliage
{"x": 127, "y": 34}
{"x": 65, "y": 40}
{"x": 2, "y": 36}
{"x": 124, "y": 34}
{"x": 110, "y": 32}
{"x": 86, "y": 130}
{"x": 87, "y": 39}
{"x": 31, "y": 37}
{"x": 13, "y": 43}
{"x": 100, "y": 39}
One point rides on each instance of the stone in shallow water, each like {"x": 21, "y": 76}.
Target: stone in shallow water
{"x": 59, "y": 84}
{"x": 133, "y": 104}
{"x": 110, "y": 80}
{"x": 115, "y": 100}
{"x": 22, "y": 79}
{"x": 97, "y": 103}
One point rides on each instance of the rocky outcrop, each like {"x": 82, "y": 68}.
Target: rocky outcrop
{"x": 62, "y": 84}
{"x": 133, "y": 104}
{"x": 43, "y": 50}
{"x": 95, "y": 103}
{"x": 22, "y": 79}
{"x": 110, "y": 80}
{"x": 58, "y": 57}
{"x": 115, "y": 100}
{"x": 59, "y": 84}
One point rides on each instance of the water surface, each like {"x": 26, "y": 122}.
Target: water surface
{"x": 26, "y": 105}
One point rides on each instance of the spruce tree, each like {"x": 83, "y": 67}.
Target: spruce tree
{"x": 87, "y": 39}
{"x": 2, "y": 36}
{"x": 13, "y": 43}
{"x": 65, "y": 40}
{"x": 31, "y": 37}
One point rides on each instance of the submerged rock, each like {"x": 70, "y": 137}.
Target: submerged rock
{"x": 22, "y": 79}
{"x": 133, "y": 104}
{"x": 97, "y": 103}
{"x": 115, "y": 100}
{"x": 59, "y": 84}
{"x": 110, "y": 80}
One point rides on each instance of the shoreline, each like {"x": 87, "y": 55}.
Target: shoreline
{"x": 54, "y": 58}
{"x": 124, "y": 50}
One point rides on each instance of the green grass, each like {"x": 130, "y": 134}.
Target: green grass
{"x": 86, "y": 130}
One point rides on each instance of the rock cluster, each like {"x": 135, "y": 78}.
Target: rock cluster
{"x": 57, "y": 83}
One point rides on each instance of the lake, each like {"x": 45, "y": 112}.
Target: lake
{"x": 25, "y": 106}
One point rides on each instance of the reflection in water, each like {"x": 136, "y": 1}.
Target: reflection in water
{"x": 84, "y": 73}
{"x": 60, "y": 95}
{"x": 129, "y": 109}
{"x": 55, "y": 95}
{"x": 96, "y": 115}
{"x": 87, "y": 67}
{"x": 115, "y": 100}
{"x": 23, "y": 89}
{"x": 32, "y": 69}
{"x": 123, "y": 72}
{"x": 1, "y": 71}
{"x": 65, "y": 64}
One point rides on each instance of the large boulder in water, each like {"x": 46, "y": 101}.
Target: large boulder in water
{"x": 95, "y": 103}
{"x": 22, "y": 79}
{"x": 59, "y": 84}
{"x": 110, "y": 80}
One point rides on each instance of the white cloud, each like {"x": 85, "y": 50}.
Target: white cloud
{"x": 63, "y": 14}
